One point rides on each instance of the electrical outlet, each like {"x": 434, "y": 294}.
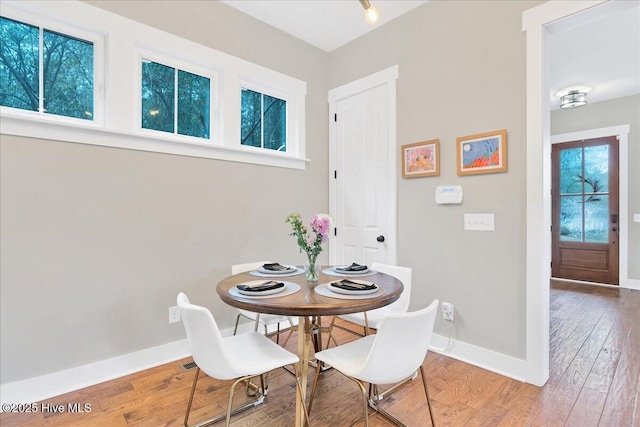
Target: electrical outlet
{"x": 447, "y": 311}
{"x": 174, "y": 314}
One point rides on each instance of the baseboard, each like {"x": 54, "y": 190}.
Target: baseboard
{"x": 46, "y": 386}
{"x": 632, "y": 284}
{"x": 481, "y": 357}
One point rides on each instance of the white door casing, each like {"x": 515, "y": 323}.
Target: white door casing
{"x": 362, "y": 169}
{"x": 538, "y": 274}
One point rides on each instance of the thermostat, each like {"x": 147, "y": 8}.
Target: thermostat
{"x": 448, "y": 194}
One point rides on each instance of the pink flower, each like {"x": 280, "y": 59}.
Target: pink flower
{"x": 320, "y": 223}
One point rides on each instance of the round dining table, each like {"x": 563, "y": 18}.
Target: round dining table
{"x": 310, "y": 302}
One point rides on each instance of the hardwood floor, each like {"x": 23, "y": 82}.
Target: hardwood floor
{"x": 594, "y": 381}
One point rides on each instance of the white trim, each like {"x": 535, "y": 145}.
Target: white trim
{"x": 538, "y": 167}
{"x": 124, "y": 39}
{"x": 353, "y": 88}
{"x": 46, "y": 386}
{"x": 76, "y": 29}
{"x": 387, "y": 76}
{"x": 499, "y": 363}
{"x": 184, "y": 146}
{"x": 622, "y": 132}
{"x": 633, "y": 284}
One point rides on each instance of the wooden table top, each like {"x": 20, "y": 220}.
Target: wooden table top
{"x": 306, "y": 302}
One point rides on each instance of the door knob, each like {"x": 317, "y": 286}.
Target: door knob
{"x": 380, "y": 239}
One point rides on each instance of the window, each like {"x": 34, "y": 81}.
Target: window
{"x": 45, "y": 71}
{"x": 72, "y": 72}
{"x": 263, "y": 121}
{"x": 175, "y": 101}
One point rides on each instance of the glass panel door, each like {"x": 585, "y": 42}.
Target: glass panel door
{"x": 584, "y": 194}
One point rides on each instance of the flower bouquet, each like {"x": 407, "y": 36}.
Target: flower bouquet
{"x": 311, "y": 241}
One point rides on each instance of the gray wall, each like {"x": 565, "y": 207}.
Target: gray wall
{"x": 615, "y": 112}
{"x": 462, "y": 72}
{"x": 97, "y": 242}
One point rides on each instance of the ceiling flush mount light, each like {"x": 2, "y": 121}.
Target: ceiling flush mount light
{"x": 573, "y": 99}
{"x": 371, "y": 13}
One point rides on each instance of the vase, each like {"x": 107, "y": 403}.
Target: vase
{"x": 310, "y": 269}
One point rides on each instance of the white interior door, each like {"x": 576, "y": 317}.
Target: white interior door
{"x": 363, "y": 175}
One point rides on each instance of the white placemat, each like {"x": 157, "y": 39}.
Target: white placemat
{"x": 293, "y": 273}
{"x": 290, "y": 288}
{"x": 325, "y": 292}
{"x": 332, "y": 272}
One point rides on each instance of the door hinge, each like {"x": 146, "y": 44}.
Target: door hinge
{"x": 335, "y": 231}
{"x": 551, "y": 228}
{"x": 335, "y": 117}
{"x": 551, "y": 264}
{"x": 335, "y": 174}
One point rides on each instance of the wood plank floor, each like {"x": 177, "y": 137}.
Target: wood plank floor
{"x": 594, "y": 381}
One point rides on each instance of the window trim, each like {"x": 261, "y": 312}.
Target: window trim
{"x": 120, "y": 126}
{"x": 265, "y": 91}
{"x": 144, "y": 53}
{"x": 94, "y": 36}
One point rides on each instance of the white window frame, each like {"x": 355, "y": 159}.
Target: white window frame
{"x": 94, "y": 36}
{"x": 148, "y": 54}
{"x": 265, "y": 90}
{"x": 119, "y": 124}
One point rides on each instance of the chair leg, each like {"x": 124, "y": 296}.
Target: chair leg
{"x": 286, "y": 340}
{"x": 426, "y": 391}
{"x": 235, "y": 329}
{"x": 255, "y": 327}
{"x": 375, "y": 397}
{"x": 193, "y": 390}
{"x": 365, "y": 400}
{"x": 330, "y": 330}
{"x": 230, "y": 411}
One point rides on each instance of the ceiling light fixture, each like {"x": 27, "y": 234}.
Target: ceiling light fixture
{"x": 573, "y": 99}
{"x": 371, "y": 13}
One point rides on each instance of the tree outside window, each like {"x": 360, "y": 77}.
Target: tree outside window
{"x": 67, "y": 84}
{"x": 263, "y": 121}
{"x": 190, "y": 116}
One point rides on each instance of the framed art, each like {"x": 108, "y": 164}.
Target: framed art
{"x": 482, "y": 153}
{"x": 421, "y": 159}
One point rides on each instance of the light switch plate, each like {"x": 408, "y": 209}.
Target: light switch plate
{"x": 636, "y": 217}
{"x": 479, "y": 222}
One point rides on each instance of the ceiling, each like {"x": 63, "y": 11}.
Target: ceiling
{"x": 600, "y": 50}
{"x": 327, "y": 24}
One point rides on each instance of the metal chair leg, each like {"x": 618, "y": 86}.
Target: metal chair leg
{"x": 193, "y": 390}
{"x": 235, "y": 329}
{"x": 426, "y": 391}
{"x": 230, "y": 411}
{"x": 365, "y": 400}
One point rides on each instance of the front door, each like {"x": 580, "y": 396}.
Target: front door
{"x": 361, "y": 174}
{"x": 585, "y": 217}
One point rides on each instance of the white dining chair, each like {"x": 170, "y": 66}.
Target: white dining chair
{"x": 239, "y": 357}
{"x": 392, "y": 355}
{"x": 261, "y": 318}
{"x": 373, "y": 318}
